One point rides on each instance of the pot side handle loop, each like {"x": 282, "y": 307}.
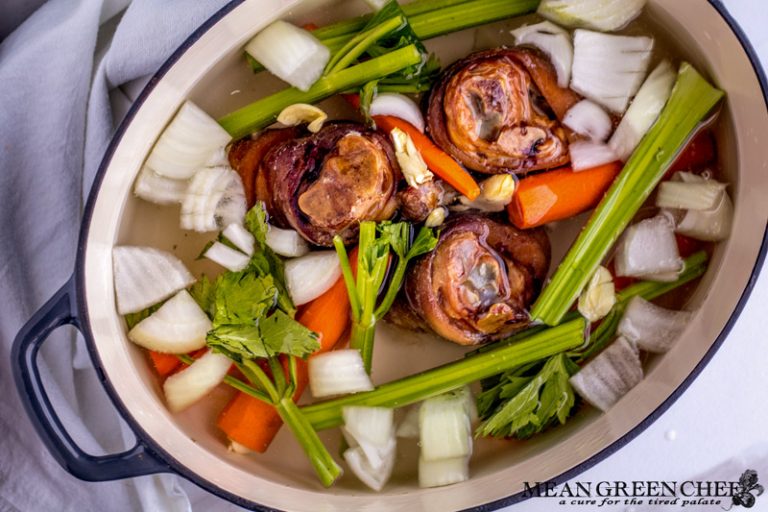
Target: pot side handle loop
{"x": 61, "y": 310}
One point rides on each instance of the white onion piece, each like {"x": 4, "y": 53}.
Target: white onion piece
{"x": 193, "y": 383}
{"x": 651, "y": 327}
{"x": 290, "y": 53}
{"x": 219, "y": 158}
{"x": 648, "y": 250}
{"x": 215, "y": 198}
{"x": 241, "y": 237}
{"x": 337, "y": 373}
{"x": 438, "y": 473}
{"x": 604, "y": 15}
{"x": 705, "y": 195}
{"x": 644, "y": 110}
{"x": 589, "y": 119}
{"x": 553, "y": 41}
{"x": 178, "y": 327}
{"x": 312, "y": 275}
{"x": 286, "y": 242}
{"x": 372, "y": 429}
{"x": 375, "y": 478}
{"x": 609, "y": 69}
{"x": 445, "y": 429}
{"x": 145, "y": 276}
{"x": 710, "y": 225}
{"x": 227, "y": 257}
{"x": 587, "y": 155}
{"x": 409, "y": 427}
{"x": 400, "y": 106}
{"x": 610, "y": 375}
{"x": 369, "y": 425}
{"x": 157, "y": 189}
{"x": 187, "y": 143}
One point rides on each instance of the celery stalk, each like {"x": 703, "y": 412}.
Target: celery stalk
{"x": 691, "y": 100}
{"x": 468, "y": 15}
{"x": 263, "y": 112}
{"x": 354, "y": 25}
{"x": 360, "y": 43}
{"x": 428, "y": 18}
{"x": 453, "y": 375}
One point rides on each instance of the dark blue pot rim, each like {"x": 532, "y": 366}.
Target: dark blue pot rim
{"x": 182, "y": 470}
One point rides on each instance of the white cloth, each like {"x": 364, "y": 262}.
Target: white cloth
{"x": 56, "y": 71}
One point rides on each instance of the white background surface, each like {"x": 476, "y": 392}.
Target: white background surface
{"x": 724, "y": 414}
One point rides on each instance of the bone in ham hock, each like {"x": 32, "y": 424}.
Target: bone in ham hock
{"x": 477, "y": 285}
{"x": 498, "y": 111}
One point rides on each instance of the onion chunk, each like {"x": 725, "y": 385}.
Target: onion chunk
{"x": 643, "y": 111}
{"x": 370, "y": 433}
{"x": 589, "y": 119}
{"x": 178, "y": 327}
{"x": 604, "y": 15}
{"x": 587, "y": 155}
{"x": 145, "y": 276}
{"x": 187, "y": 144}
{"x": 649, "y": 250}
{"x": 231, "y": 259}
{"x": 553, "y": 41}
{"x": 445, "y": 430}
{"x": 290, "y": 53}
{"x": 609, "y": 69}
{"x": 286, "y": 242}
{"x": 398, "y": 105}
{"x": 610, "y": 375}
{"x": 312, "y": 275}
{"x": 651, "y": 327}
{"x": 193, "y": 383}
{"x": 215, "y": 198}
{"x": 158, "y": 189}
{"x": 337, "y": 373}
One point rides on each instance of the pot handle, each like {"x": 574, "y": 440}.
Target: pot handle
{"x": 61, "y": 310}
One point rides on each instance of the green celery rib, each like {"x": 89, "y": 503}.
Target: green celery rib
{"x": 428, "y": 19}
{"x": 360, "y": 43}
{"x": 691, "y": 100}
{"x": 325, "y": 467}
{"x": 263, "y": 112}
{"x": 354, "y": 25}
{"x": 472, "y": 14}
{"x": 453, "y": 375}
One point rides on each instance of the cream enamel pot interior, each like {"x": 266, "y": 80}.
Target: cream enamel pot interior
{"x": 209, "y": 69}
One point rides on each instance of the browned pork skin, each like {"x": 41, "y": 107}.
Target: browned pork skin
{"x": 478, "y": 283}
{"x": 491, "y": 111}
{"x": 324, "y": 184}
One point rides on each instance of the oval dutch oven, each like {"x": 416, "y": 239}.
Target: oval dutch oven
{"x": 208, "y": 69}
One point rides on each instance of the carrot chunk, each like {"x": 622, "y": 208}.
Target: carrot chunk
{"x": 559, "y": 194}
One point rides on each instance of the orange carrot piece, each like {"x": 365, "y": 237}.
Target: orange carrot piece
{"x": 250, "y": 422}
{"x": 164, "y": 364}
{"x": 310, "y": 26}
{"x": 254, "y": 424}
{"x": 438, "y": 161}
{"x": 559, "y": 194}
